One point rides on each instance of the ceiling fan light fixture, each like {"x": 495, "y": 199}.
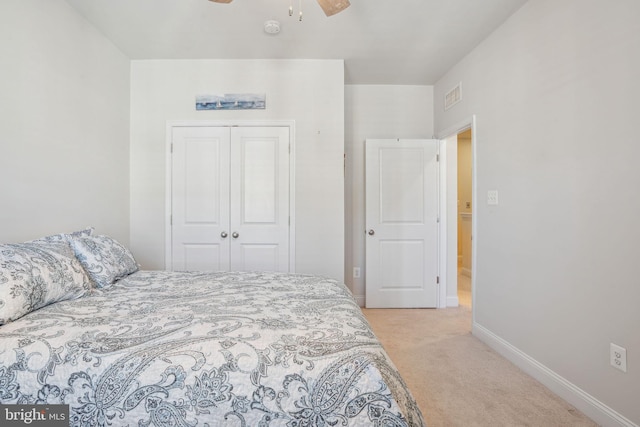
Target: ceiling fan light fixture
{"x": 331, "y": 7}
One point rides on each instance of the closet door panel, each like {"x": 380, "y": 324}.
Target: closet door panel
{"x": 259, "y": 181}
{"x": 260, "y": 198}
{"x": 203, "y": 257}
{"x": 200, "y": 198}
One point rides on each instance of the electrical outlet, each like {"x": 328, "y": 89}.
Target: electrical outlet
{"x": 618, "y": 357}
{"x": 492, "y": 197}
{"x": 356, "y": 272}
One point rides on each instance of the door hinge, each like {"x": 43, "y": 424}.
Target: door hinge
{"x": 437, "y": 157}
{"x": 171, "y": 149}
{"x": 437, "y": 280}
{"x": 170, "y": 219}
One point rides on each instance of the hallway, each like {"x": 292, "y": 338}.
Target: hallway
{"x": 464, "y": 290}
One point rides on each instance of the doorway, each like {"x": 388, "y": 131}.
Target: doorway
{"x": 459, "y": 289}
{"x": 464, "y": 216}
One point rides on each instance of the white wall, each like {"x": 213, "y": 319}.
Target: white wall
{"x": 307, "y": 91}
{"x": 555, "y": 92}
{"x": 375, "y": 111}
{"x": 64, "y": 127}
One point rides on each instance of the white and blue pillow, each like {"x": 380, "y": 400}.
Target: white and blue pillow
{"x": 38, "y": 273}
{"x": 56, "y": 268}
{"x": 104, "y": 259}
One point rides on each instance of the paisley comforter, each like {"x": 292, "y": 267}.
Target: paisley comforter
{"x": 206, "y": 349}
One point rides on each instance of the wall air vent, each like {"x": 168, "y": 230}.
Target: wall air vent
{"x": 453, "y": 96}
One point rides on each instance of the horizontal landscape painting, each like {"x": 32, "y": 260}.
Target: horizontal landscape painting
{"x": 231, "y": 101}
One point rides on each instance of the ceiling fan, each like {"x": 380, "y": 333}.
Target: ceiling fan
{"x": 330, "y": 7}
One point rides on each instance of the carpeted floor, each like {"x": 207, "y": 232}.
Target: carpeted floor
{"x": 459, "y": 381}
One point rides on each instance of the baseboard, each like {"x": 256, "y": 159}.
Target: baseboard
{"x": 589, "y": 405}
{"x": 451, "y": 301}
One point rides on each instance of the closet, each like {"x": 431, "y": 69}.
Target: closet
{"x": 229, "y": 198}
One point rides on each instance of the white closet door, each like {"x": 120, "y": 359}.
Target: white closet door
{"x": 259, "y": 199}
{"x": 230, "y": 199}
{"x": 200, "y": 198}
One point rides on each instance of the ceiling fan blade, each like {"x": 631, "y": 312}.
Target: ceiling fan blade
{"x": 221, "y": 1}
{"x": 331, "y": 7}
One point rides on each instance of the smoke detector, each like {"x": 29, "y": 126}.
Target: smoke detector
{"x": 272, "y": 27}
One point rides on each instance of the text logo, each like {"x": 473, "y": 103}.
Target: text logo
{"x": 34, "y": 415}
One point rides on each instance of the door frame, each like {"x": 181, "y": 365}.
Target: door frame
{"x": 449, "y": 288}
{"x": 171, "y": 124}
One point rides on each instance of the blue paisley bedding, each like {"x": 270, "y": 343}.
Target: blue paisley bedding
{"x": 206, "y": 349}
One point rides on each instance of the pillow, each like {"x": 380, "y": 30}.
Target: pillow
{"x": 104, "y": 259}
{"x": 36, "y": 274}
{"x": 64, "y": 237}
{"x": 61, "y": 243}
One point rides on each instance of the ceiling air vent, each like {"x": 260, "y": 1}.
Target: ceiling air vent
{"x": 453, "y": 96}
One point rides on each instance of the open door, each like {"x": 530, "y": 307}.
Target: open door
{"x": 402, "y": 223}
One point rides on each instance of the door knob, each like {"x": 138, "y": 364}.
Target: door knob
{"x": 371, "y": 232}
{"x": 235, "y": 235}
{"x": 224, "y": 234}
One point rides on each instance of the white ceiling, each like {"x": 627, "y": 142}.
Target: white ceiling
{"x": 381, "y": 41}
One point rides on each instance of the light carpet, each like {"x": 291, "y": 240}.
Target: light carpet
{"x": 458, "y": 380}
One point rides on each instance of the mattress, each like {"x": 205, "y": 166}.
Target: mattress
{"x": 164, "y": 348}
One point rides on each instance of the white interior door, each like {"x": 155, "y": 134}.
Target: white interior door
{"x": 200, "y": 198}
{"x": 260, "y": 198}
{"x": 230, "y": 198}
{"x": 402, "y": 223}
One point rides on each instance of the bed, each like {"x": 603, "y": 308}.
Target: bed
{"x": 124, "y": 346}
